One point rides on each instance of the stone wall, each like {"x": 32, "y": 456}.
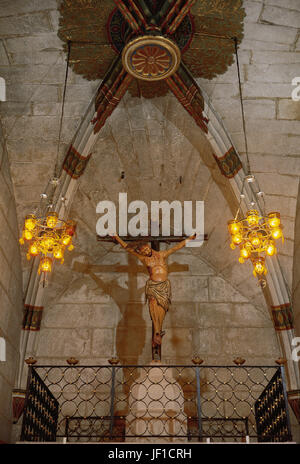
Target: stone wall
{"x": 218, "y": 311}
{"x": 102, "y": 314}
{"x": 96, "y": 309}
{"x": 10, "y": 292}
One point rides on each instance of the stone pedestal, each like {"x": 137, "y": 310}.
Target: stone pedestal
{"x": 156, "y": 408}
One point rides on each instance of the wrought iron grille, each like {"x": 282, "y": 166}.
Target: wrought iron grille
{"x": 220, "y": 429}
{"x": 170, "y": 403}
{"x": 79, "y": 429}
{"x": 271, "y": 413}
{"x": 40, "y": 411}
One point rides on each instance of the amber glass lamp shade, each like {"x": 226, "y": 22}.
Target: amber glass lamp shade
{"x": 45, "y": 265}
{"x": 274, "y": 219}
{"x": 30, "y": 222}
{"x": 259, "y": 266}
{"x": 271, "y": 249}
{"x": 27, "y": 234}
{"x": 245, "y": 253}
{"x": 233, "y": 227}
{"x": 52, "y": 219}
{"x": 34, "y": 250}
{"x": 58, "y": 253}
{"x": 66, "y": 239}
{"x": 255, "y": 241}
{"x": 237, "y": 239}
{"x": 252, "y": 217}
{"x": 276, "y": 233}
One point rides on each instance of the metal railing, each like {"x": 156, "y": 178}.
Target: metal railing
{"x": 271, "y": 412}
{"x": 40, "y": 411}
{"x": 166, "y": 403}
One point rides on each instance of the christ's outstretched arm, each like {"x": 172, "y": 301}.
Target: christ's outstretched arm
{"x": 126, "y": 247}
{"x": 179, "y": 245}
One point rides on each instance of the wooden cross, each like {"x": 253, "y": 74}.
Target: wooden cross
{"x": 155, "y": 241}
{"x": 117, "y": 292}
{"x": 132, "y": 269}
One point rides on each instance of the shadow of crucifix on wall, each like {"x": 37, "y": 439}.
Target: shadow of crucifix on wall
{"x": 131, "y": 329}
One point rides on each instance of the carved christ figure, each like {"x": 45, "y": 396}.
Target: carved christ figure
{"x": 158, "y": 286}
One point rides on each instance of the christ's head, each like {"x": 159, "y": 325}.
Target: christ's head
{"x": 145, "y": 249}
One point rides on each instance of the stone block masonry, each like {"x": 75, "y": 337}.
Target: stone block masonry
{"x": 11, "y": 302}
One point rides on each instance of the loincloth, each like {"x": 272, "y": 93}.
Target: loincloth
{"x": 161, "y": 291}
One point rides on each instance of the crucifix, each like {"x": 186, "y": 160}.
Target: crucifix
{"x": 158, "y": 287}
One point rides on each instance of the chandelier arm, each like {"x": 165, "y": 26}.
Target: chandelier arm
{"x": 39, "y": 210}
{"x": 264, "y": 204}
{"x": 241, "y": 198}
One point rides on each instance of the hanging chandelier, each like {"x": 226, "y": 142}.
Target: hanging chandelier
{"x": 46, "y": 234}
{"x": 47, "y": 237}
{"x": 256, "y": 233}
{"x": 255, "y": 236}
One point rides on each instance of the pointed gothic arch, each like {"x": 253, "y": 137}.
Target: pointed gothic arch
{"x": 230, "y": 165}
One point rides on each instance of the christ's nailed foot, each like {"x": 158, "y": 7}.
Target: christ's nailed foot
{"x": 156, "y": 339}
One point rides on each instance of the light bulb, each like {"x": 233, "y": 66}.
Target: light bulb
{"x": 66, "y": 239}
{"x": 45, "y": 265}
{"x": 33, "y": 250}
{"x": 259, "y": 266}
{"x": 27, "y": 234}
{"x": 276, "y": 233}
{"x": 274, "y": 219}
{"x": 237, "y": 239}
{"x": 48, "y": 242}
{"x": 255, "y": 241}
{"x": 234, "y": 227}
{"x": 58, "y": 253}
{"x": 253, "y": 217}
{"x": 30, "y": 222}
{"x": 271, "y": 249}
{"x": 244, "y": 253}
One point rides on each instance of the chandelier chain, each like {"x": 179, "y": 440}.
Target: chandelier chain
{"x": 242, "y": 104}
{"x": 62, "y": 109}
